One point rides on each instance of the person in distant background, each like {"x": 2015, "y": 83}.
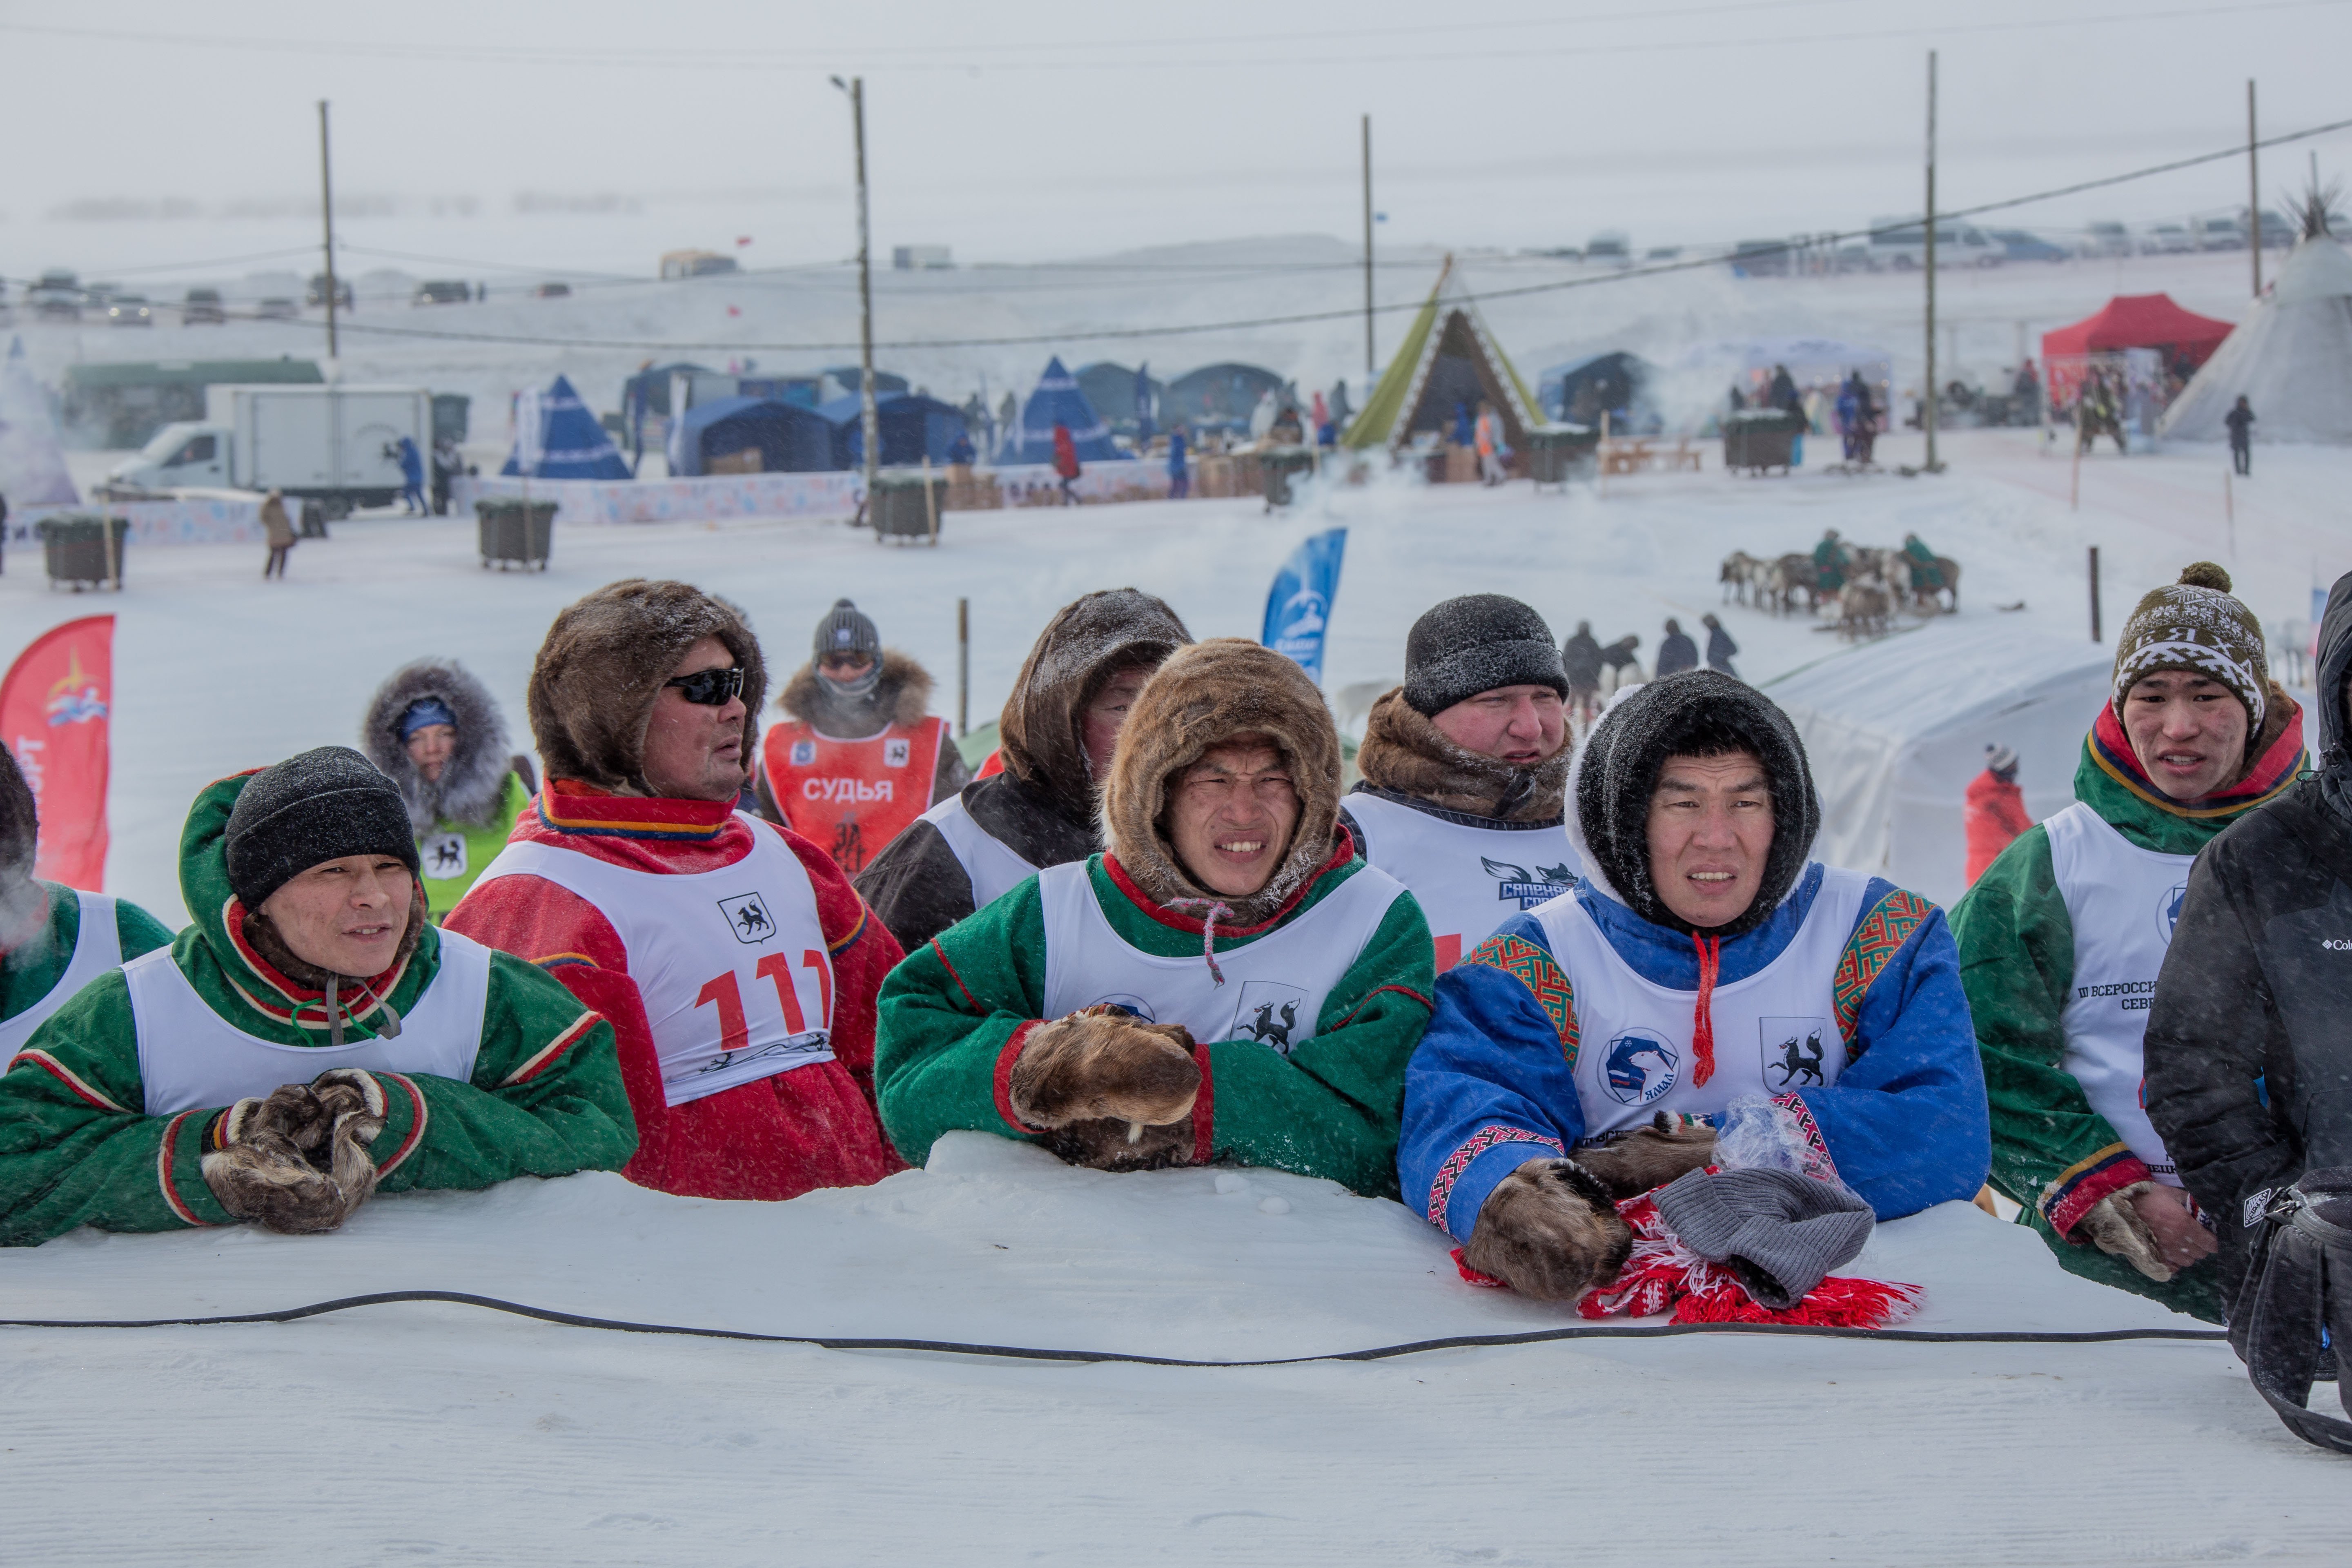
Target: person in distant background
{"x": 960, "y": 450}
{"x": 1619, "y": 667}
{"x": 280, "y": 531}
{"x": 1994, "y": 810}
{"x": 412, "y": 479}
{"x": 448, "y": 464}
{"x": 1720, "y": 649}
{"x": 1465, "y": 429}
{"x": 1489, "y": 438}
{"x": 1784, "y": 391}
{"x": 1179, "y": 479}
{"x": 1580, "y": 659}
{"x": 1676, "y": 653}
{"x": 1830, "y": 561}
{"x": 1066, "y": 462}
{"x": 437, "y": 733}
{"x": 2241, "y": 421}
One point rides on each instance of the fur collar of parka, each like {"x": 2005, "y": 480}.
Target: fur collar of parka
{"x": 1406, "y": 753}
{"x": 1041, "y": 733}
{"x": 473, "y": 781}
{"x": 1204, "y": 694}
{"x": 593, "y": 683}
{"x": 901, "y": 697}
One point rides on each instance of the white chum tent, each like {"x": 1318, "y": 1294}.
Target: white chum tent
{"x": 2291, "y": 358}
{"x": 1896, "y": 728}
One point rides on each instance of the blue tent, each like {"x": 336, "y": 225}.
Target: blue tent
{"x": 1058, "y": 401}
{"x": 557, "y": 439}
{"x": 791, "y": 439}
{"x": 1578, "y": 391}
{"x": 913, "y": 428}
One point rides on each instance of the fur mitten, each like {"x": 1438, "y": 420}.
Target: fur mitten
{"x": 1102, "y": 1063}
{"x": 1549, "y": 1230}
{"x": 1631, "y": 1163}
{"x": 299, "y": 1162}
{"x": 2113, "y": 1225}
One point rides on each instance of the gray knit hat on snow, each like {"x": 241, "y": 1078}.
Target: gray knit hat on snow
{"x": 1781, "y": 1232}
{"x": 310, "y": 809}
{"x": 1474, "y": 644}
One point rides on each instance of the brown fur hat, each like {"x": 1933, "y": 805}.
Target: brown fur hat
{"x": 1404, "y": 751}
{"x": 901, "y": 697}
{"x": 592, "y": 685}
{"x": 1205, "y": 694}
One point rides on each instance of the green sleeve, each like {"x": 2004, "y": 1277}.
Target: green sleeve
{"x": 545, "y": 1099}
{"x": 1332, "y": 1107}
{"x": 76, "y": 1147}
{"x": 2017, "y": 965}
{"x": 946, "y": 1013}
{"x": 137, "y": 930}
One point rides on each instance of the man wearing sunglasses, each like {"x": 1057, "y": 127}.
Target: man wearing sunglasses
{"x": 737, "y": 965}
{"x": 858, "y": 757}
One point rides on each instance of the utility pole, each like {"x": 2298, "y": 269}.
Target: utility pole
{"x": 327, "y": 210}
{"x": 872, "y": 420}
{"x": 1927, "y": 403}
{"x": 1370, "y": 368}
{"x": 2253, "y": 193}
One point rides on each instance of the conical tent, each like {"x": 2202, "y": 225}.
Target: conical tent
{"x": 557, "y": 439}
{"x": 1056, "y": 400}
{"x": 32, "y": 462}
{"x": 2290, "y": 359}
{"x": 1448, "y": 357}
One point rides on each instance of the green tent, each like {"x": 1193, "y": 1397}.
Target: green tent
{"x": 1448, "y": 357}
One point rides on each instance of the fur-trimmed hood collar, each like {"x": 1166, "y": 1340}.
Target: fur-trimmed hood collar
{"x": 1406, "y": 753}
{"x": 474, "y": 780}
{"x": 1204, "y": 694}
{"x": 592, "y": 685}
{"x": 1041, "y": 732}
{"x": 901, "y": 697}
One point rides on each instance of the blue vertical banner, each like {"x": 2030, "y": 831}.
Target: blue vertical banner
{"x": 1298, "y": 605}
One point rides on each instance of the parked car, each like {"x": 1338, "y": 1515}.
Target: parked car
{"x": 2166, "y": 240}
{"x": 315, "y": 293}
{"x": 56, "y": 296}
{"x": 1897, "y": 246}
{"x": 2024, "y": 245}
{"x": 2108, "y": 238}
{"x": 2221, "y": 234}
{"x": 201, "y": 308}
{"x": 553, "y": 291}
{"x": 277, "y": 308}
{"x": 2276, "y": 232}
{"x": 1761, "y": 257}
{"x": 1663, "y": 253}
{"x": 1608, "y": 248}
{"x": 442, "y": 291}
{"x": 129, "y": 310}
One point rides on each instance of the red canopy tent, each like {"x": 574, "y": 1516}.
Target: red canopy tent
{"x": 2186, "y": 339}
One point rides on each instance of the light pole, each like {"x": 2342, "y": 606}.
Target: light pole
{"x": 856, "y": 88}
{"x": 327, "y": 209}
{"x": 1927, "y": 404}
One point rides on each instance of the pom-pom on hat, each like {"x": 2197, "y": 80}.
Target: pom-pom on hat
{"x": 2197, "y": 625}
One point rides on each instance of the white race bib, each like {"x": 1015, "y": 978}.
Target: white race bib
{"x": 1467, "y": 880}
{"x": 97, "y": 947}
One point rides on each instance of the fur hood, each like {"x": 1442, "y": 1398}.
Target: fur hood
{"x": 475, "y": 777}
{"x": 592, "y": 685}
{"x": 1698, "y": 712}
{"x": 1042, "y": 728}
{"x": 1204, "y": 694}
{"x": 902, "y": 697}
{"x": 19, "y": 836}
{"x": 1406, "y": 754}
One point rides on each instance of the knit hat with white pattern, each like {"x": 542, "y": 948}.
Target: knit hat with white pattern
{"x": 2197, "y": 625}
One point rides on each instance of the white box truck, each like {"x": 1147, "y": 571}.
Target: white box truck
{"x": 336, "y": 444}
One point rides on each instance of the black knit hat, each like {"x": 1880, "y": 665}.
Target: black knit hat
{"x": 309, "y": 809}
{"x": 20, "y": 825}
{"x": 1699, "y": 713}
{"x": 1474, "y": 644}
{"x": 847, "y": 629}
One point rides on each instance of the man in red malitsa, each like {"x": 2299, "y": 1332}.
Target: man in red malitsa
{"x": 858, "y": 757}
{"x": 736, "y": 966}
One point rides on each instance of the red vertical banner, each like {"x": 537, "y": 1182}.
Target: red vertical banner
{"x": 55, "y": 704}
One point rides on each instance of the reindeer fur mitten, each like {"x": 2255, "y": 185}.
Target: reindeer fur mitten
{"x": 298, "y": 1161}
{"x": 1549, "y": 1230}
{"x": 1110, "y": 1092}
{"x": 1633, "y": 1162}
{"x": 2113, "y": 1225}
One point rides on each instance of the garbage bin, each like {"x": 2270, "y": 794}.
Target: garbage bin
{"x": 1275, "y": 466}
{"x": 904, "y": 506}
{"x": 515, "y": 530}
{"x": 76, "y": 546}
{"x": 1758, "y": 439}
{"x": 1557, "y": 451}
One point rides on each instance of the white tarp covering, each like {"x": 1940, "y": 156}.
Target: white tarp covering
{"x": 1896, "y": 729}
{"x": 2291, "y": 358}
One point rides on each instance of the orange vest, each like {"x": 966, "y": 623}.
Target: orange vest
{"x": 851, "y": 796}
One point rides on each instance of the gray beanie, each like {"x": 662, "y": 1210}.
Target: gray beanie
{"x": 1780, "y": 1232}
{"x": 1474, "y": 644}
{"x": 309, "y": 809}
{"x": 847, "y": 629}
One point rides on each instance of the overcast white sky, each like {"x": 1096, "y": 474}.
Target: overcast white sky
{"x": 1033, "y": 129}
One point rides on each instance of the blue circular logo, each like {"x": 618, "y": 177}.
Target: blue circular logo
{"x": 1639, "y": 1068}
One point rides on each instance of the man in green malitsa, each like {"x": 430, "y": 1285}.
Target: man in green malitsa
{"x": 2061, "y": 938}
{"x": 310, "y": 1041}
{"x": 1227, "y": 982}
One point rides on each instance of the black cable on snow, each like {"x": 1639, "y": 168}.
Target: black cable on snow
{"x": 1024, "y": 1352}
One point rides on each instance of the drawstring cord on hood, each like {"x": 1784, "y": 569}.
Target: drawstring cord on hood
{"x": 1710, "y": 962}
{"x": 389, "y": 1029}
{"x": 1214, "y": 909}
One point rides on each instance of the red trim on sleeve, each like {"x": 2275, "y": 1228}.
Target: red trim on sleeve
{"x": 1003, "y": 1076}
{"x": 415, "y": 1122}
{"x": 179, "y": 1206}
{"x": 1204, "y": 1110}
{"x": 940, "y": 953}
{"x": 1400, "y": 989}
{"x": 2080, "y": 1187}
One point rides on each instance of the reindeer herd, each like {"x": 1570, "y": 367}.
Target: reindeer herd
{"x": 1877, "y": 585}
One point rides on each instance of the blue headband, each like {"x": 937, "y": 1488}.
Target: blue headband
{"x": 422, "y": 711}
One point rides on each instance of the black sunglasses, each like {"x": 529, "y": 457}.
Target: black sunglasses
{"x": 709, "y": 687}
